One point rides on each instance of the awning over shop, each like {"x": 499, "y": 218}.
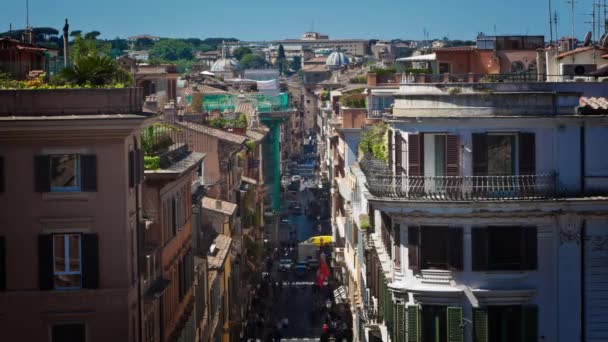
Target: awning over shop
{"x": 422, "y": 58}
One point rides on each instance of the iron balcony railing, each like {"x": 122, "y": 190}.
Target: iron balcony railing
{"x": 463, "y": 188}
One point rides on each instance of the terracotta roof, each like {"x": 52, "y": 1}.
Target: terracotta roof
{"x": 315, "y": 68}
{"x": 222, "y": 246}
{"x": 605, "y": 56}
{"x": 223, "y": 207}
{"x": 320, "y": 59}
{"x": 455, "y": 48}
{"x": 214, "y": 132}
{"x": 593, "y": 105}
{"x": 256, "y": 134}
{"x": 206, "y": 89}
{"x": 579, "y": 50}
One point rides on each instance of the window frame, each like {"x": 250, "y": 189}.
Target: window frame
{"x": 66, "y": 256}
{"x": 78, "y": 187}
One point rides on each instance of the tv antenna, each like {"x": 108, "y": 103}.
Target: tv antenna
{"x": 550, "y": 25}
{"x": 572, "y": 2}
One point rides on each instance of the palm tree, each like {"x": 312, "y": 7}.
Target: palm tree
{"x": 97, "y": 71}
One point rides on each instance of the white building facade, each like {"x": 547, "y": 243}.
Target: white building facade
{"x": 489, "y": 221}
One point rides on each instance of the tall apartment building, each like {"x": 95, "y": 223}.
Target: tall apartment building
{"x": 69, "y": 221}
{"x": 487, "y": 220}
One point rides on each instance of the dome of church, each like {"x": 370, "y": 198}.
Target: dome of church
{"x": 336, "y": 60}
{"x": 225, "y": 64}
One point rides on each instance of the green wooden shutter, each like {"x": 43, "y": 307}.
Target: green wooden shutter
{"x": 455, "y": 327}
{"x": 529, "y": 320}
{"x": 480, "y": 325}
{"x": 413, "y": 324}
{"x": 400, "y": 323}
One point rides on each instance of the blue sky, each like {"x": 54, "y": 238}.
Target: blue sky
{"x": 277, "y": 19}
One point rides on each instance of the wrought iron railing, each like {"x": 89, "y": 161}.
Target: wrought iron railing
{"x": 463, "y": 188}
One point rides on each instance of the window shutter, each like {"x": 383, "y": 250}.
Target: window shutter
{"x": 413, "y": 248}
{"x": 413, "y": 324}
{"x": 140, "y": 168}
{"x": 1, "y": 174}
{"x": 90, "y": 261}
{"x": 452, "y": 155}
{"x": 398, "y": 154}
{"x": 527, "y": 154}
{"x": 455, "y": 248}
{"x": 400, "y": 326}
{"x": 480, "y": 325}
{"x": 480, "y": 154}
{"x": 414, "y": 156}
{"x": 88, "y": 172}
{"x": 480, "y": 248}
{"x": 42, "y": 174}
{"x": 529, "y": 246}
{"x": 45, "y": 261}
{"x": 455, "y": 327}
{"x": 391, "y": 134}
{"x": 2, "y": 263}
{"x": 529, "y": 320}
{"x": 173, "y": 215}
{"x": 132, "y": 171}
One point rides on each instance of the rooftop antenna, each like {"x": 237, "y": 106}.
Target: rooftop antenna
{"x": 27, "y": 13}
{"x": 551, "y": 25}
{"x": 555, "y": 22}
{"x": 572, "y": 2}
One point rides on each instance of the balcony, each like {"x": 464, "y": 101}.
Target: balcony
{"x": 464, "y": 188}
{"x": 382, "y": 183}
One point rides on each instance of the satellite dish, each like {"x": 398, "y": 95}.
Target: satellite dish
{"x": 604, "y": 40}
{"x": 600, "y": 41}
{"x": 587, "y": 39}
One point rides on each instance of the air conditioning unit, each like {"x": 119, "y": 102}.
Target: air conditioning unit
{"x": 577, "y": 69}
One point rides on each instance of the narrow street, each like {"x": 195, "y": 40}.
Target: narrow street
{"x": 289, "y": 306}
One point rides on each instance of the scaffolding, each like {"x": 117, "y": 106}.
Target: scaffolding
{"x": 263, "y": 103}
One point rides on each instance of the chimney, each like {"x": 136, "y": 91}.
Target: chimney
{"x": 372, "y": 79}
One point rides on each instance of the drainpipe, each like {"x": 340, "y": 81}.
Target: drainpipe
{"x": 582, "y": 154}
{"x": 583, "y": 316}
{"x": 137, "y": 246}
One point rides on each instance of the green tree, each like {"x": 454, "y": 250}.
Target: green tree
{"x": 92, "y": 35}
{"x": 253, "y": 61}
{"x": 82, "y": 47}
{"x": 281, "y": 63}
{"x": 240, "y": 52}
{"x": 171, "y": 50}
{"x": 76, "y": 33}
{"x": 296, "y": 64}
{"x": 281, "y": 52}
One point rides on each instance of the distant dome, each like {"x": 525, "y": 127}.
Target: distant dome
{"x": 336, "y": 60}
{"x": 225, "y": 64}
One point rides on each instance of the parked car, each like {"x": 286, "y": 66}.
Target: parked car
{"x": 285, "y": 265}
{"x": 301, "y": 268}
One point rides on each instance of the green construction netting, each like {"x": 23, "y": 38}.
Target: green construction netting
{"x": 262, "y": 102}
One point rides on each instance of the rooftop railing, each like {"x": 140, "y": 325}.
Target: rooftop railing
{"x": 473, "y": 78}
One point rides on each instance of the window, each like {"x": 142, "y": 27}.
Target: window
{"x": 435, "y": 323}
{"x": 65, "y": 172}
{"x": 499, "y": 154}
{"x": 504, "y": 248}
{"x": 433, "y": 155}
{"x": 435, "y": 247}
{"x": 444, "y": 68}
{"x": 506, "y": 323}
{"x": 73, "y": 332}
{"x": 67, "y": 259}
